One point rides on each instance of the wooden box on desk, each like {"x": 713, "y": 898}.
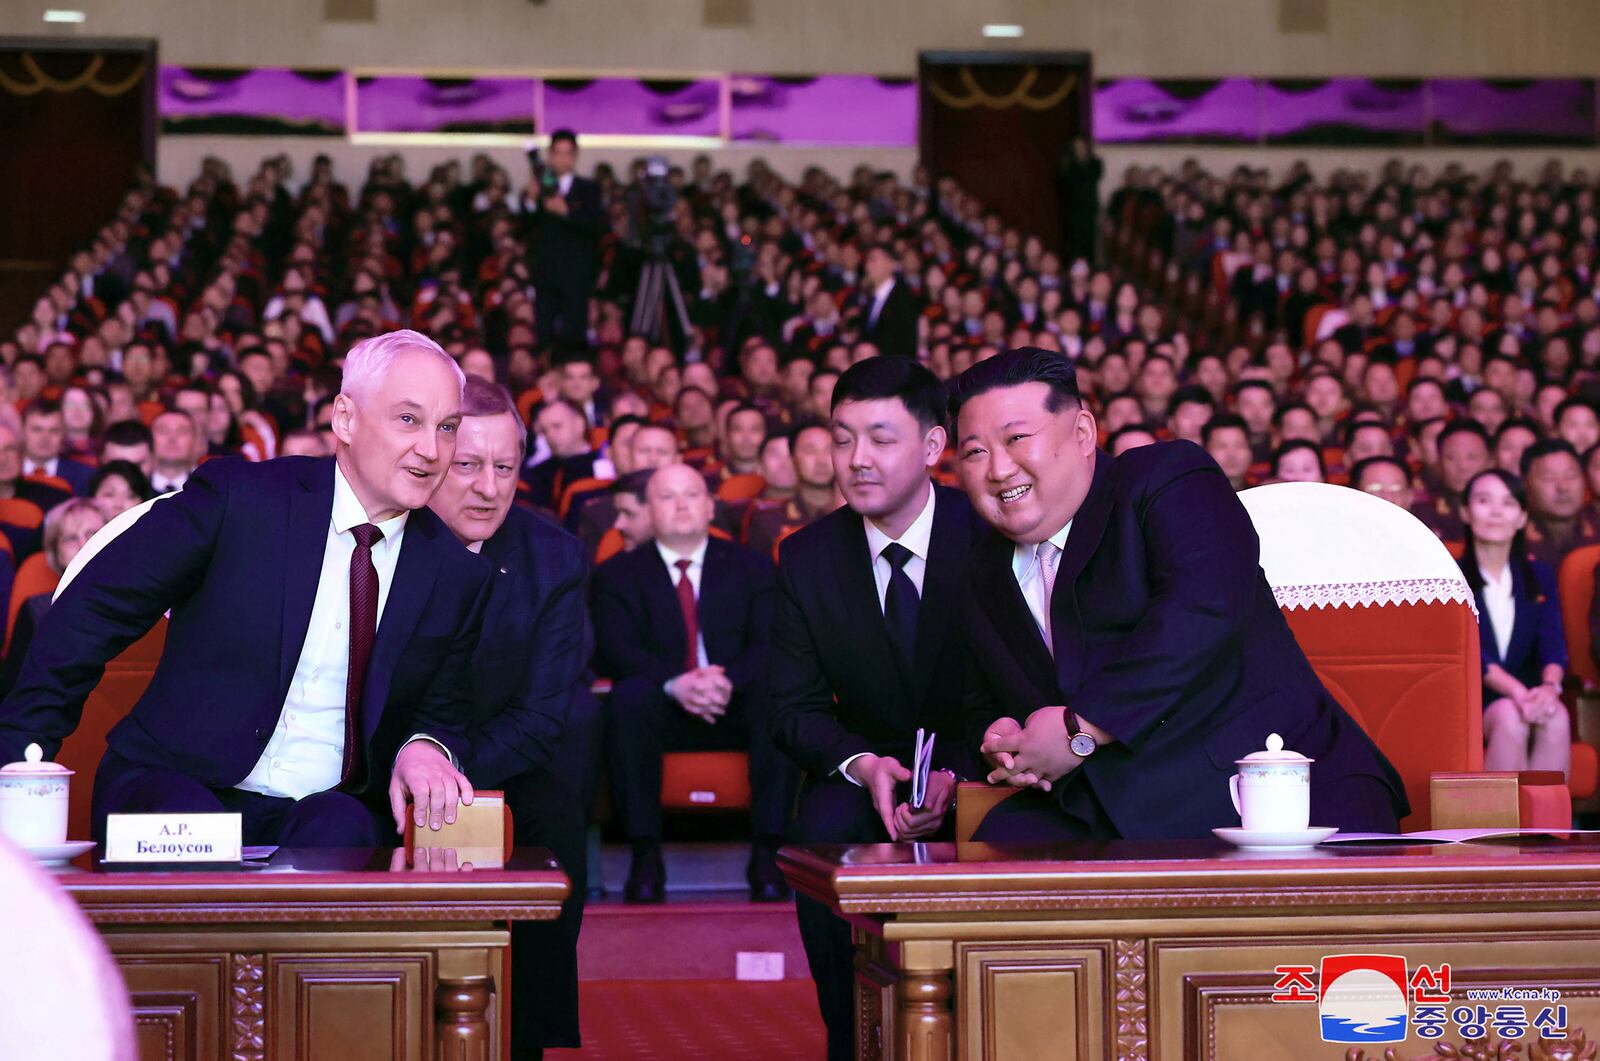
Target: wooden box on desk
{"x": 1476, "y": 800}
{"x": 481, "y": 833}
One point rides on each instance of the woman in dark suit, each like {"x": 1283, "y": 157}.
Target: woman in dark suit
{"x": 1525, "y": 724}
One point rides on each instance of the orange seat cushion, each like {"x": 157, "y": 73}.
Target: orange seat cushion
{"x": 700, "y": 780}
{"x": 1584, "y": 777}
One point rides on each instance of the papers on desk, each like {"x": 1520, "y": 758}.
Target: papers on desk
{"x": 1450, "y": 836}
{"x": 259, "y": 854}
{"x": 921, "y": 766}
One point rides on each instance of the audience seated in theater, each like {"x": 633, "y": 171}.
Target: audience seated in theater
{"x": 564, "y": 432}
{"x": 304, "y": 442}
{"x": 591, "y": 513}
{"x": 1463, "y": 452}
{"x": 1298, "y": 461}
{"x": 117, "y": 486}
{"x": 529, "y": 734}
{"x": 1130, "y": 437}
{"x": 1525, "y": 724}
{"x": 175, "y": 450}
{"x": 1227, "y": 438}
{"x": 43, "y": 445}
{"x": 1558, "y": 519}
{"x": 681, "y": 630}
{"x": 66, "y": 529}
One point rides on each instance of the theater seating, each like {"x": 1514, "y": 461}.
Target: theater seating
{"x": 1575, "y": 583}
{"x": 34, "y": 576}
{"x": 741, "y": 488}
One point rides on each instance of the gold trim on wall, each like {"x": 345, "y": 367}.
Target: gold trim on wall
{"x": 88, "y": 79}
{"x": 1017, "y": 97}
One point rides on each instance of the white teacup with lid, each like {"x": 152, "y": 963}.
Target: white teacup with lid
{"x": 1272, "y": 790}
{"x": 33, "y": 800}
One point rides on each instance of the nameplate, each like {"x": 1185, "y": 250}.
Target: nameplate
{"x": 173, "y": 838}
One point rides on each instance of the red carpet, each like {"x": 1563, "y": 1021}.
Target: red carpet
{"x": 697, "y": 1020}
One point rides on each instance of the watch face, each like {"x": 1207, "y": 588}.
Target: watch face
{"x": 1082, "y": 744}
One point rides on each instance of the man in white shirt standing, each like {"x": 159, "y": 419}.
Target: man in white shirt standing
{"x": 321, "y": 627}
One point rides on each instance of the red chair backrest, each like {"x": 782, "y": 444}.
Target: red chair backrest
{"x": 741, "y": 487}
{"x": 33, "y": 577}
{"x": 20, "y": 513}
{"x": 572, "y": 489}
{"x": 1575, "y": 582}
{"x": 125, "y": 680}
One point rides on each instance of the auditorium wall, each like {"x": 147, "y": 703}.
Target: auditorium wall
{"x": 1169, "y": 38}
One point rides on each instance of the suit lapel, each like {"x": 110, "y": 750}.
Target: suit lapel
{"x": 1088, "y": 527}
{"x": 414, "y": 575}
{"x": 1002, "y": 597}
{"x": 304, "y": 542}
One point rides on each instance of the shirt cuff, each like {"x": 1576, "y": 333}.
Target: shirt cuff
{"x": 844, "y": 768}
{"x": 448, "y": 754}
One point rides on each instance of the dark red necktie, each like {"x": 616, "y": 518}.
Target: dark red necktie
{"x": 691, "y": 616}
{"x": 363, "y": 630}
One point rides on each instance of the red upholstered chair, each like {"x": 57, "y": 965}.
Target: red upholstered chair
{"x": 611, "y": 544}
{"x": 697, "y": 781}
{"x": 20, "y": 513}
{"x": 1387, "y": 620}
{"x": 740, "y": 487}
{"x": 1575, "y": 582}
{"x": 34, "y": 576}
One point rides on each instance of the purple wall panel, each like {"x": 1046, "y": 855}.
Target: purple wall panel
{"x": 1134, "y": 110}
{"x": 834, "y": 109}
{"x": 265, "y": 100}
{"x": 1343, "y": 110}
{"x": 1556, "y": 111}
{"x": 628, "y": 106}
{"x": 440, "y": 105}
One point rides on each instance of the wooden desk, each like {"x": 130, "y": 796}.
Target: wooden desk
{"x": 321, "y": 954}
{"x": 1140, "y": 950}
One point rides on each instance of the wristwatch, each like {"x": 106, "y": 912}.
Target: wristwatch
{"x": 1081, "y": 743}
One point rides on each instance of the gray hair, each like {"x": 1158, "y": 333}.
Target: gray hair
{"x": 368, "y": 361}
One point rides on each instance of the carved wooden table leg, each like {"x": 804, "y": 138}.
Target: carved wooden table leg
{"x": 925, "y": 1023}
{"x": 461, "y": 1018}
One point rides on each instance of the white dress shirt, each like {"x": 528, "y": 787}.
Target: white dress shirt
{"x": 697, "y": 566}
{"x": 164, "y": 484}
{"x": 1025, "y": 567}
{"x": 880, "y": 295}
{"x": 564, "y": 184}
{"x": 1499, "y": 602}
{"x": 916, "y": 539}
{"x": 49, "y": 467}
{"x": 306, "y": 751}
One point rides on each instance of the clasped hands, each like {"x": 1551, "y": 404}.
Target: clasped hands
{"x": 1035, "y": 755}
{"x": 1538, "y": 703}
{"x": 704, "y": 692}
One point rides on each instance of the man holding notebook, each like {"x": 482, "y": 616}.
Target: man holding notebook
{"x": 864, "y": 649}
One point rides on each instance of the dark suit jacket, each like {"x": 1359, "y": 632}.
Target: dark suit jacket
{"x": 639, "y": 629}
{"x": 74, "y": 474}
{"x": 1536, "y": 633}
{"x": 1167, "y": 637}
{"x": 836, "y": 683}
{"x": 236, "y": 555}
{"x": 567, "y": 246}
{"x": 535, "y": 645}
{"x": 895, "y": 331}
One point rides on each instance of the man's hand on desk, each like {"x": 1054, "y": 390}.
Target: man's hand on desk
{"x": 424, "y": 775}
{"x": 1035, "y": 755}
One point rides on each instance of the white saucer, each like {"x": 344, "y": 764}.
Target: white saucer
{"x": 1267, "y": 839}
{"x": 58, "y": 854}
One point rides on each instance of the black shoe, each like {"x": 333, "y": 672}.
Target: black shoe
{"x": 766, "y": 880}
{"x": 647, "y": 877}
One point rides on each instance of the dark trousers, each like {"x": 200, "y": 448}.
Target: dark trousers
{"x": 646, "y": 723}
{"x": 561, "y": 305}
{"x": 833, "y": 811}
{"x": 550, "y": 809}
{"x": 322, "y": 819}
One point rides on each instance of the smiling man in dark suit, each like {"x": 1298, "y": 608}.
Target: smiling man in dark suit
{"x": 1121, "y": 614}
{"x": 681, "y": 628}
{"x": 279, "y": 694}
{"x": 532, "y": 725}
{"x": 866, "y": 647}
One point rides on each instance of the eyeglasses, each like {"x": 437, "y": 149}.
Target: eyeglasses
{"x": 1381, "y": 488}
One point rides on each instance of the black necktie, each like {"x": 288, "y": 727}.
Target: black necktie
{"x": 900, "y": 603}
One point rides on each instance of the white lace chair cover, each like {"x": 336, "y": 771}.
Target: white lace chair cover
{"x": 1331, "y": 546}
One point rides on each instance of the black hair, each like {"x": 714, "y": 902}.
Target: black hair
{"x": 1417, "y": 427}
{"x": 1127, "y": 429}
{"x": 622, "y": 421}
{"x": 1288, "y": 407}
{"x": 1351, "y": 427}
{"x": 1421, "y": 381}
{"x": 1515, "y": 422}
{"x": 127, "y": 433}
{"x": 1519, "y": 541}
{"x": 1221, "y": 422}
{"x": 1191, "y": 395}
{"x": 1246, "y": 384}
{"x": 564, "y": 134}
{"x": 807, "y": 425}
{"x": 899, "y": 378}
{"x": 1464, "y": 426}
{"x": 128, "y": 472}
{"x": 1359, "y": 470}
{"x": 1569, "y": 404}
{"x": 1546, "y": 447}
{"x": 634, "y": 484}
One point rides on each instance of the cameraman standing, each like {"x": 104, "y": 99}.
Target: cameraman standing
{"x": 567, "y": 218}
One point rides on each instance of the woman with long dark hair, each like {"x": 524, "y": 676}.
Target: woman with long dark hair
{"x": 1525, "y": 724}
